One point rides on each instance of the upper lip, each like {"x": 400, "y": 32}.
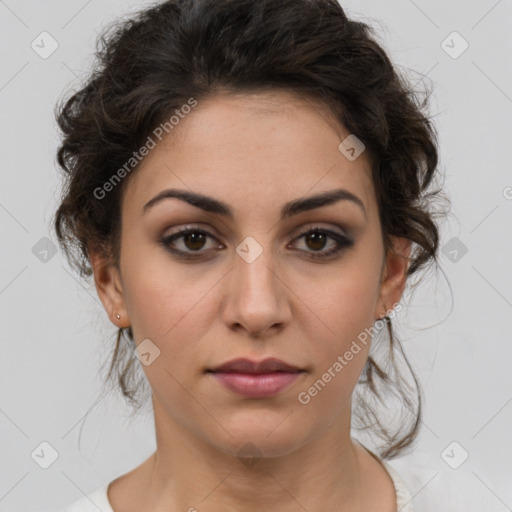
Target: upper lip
{"x": 243, "y": 365}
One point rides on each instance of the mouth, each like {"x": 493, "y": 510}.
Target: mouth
{"x": 253, "y": 379}
{"x": 247, "y": 366}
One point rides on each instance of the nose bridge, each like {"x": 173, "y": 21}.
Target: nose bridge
{"x": 257, "y": 300}
{"x": 254, "y": 269}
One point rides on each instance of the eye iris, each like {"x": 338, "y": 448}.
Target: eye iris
{"x": 317, "y": 238}
{"x": 195, "y": 238}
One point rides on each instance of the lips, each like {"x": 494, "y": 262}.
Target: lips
{"x": 246, "y": 366}
{"x": 253, "y": 379}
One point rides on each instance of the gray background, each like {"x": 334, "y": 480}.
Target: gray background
{"x": 54, "y": 331}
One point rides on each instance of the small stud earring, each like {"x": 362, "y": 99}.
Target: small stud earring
{"x": 118, "y": 316}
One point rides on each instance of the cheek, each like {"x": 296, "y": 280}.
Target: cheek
{"x": 170, "y": 305}
{"x": 343, "y": 302}
{"x": 160, "y": 307}
{"x": 340, "y": 320}
{"x": 152, "y": 306}
{"x": 340, "y": 355}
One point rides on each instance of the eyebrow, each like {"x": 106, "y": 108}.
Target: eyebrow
{"x": 212, "y": 205}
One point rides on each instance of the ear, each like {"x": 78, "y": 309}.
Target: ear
{"x": 109, "y": 287}
{"x": 394, "y": 275}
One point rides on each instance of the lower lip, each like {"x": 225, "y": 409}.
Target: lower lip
{"x": 257, "y": 386}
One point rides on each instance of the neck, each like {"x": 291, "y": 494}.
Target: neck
{"x": 188, "y": 472}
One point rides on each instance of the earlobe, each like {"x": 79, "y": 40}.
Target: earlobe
{"x": 394, "y": 275}
{"x": 109, "y": 288}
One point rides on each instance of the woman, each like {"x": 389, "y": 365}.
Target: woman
{"x": 246, "y": 183}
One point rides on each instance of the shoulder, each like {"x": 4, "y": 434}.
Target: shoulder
{"x": 92, "y": 502}
{"x": 403, "y": 496}
{"x": 434, "y": 485}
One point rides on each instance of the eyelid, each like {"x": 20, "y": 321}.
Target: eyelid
{"x": 303, "y": 229}
{"x": 342, "y": 242}
{"x": 318, "y": 225}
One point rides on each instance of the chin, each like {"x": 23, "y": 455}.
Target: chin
{"x": 258, "y": 440}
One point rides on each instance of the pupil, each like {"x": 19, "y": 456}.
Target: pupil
{"x": 319, "y": 239}
{"x": 195, "y": 239}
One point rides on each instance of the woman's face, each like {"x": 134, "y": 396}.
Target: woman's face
{"x": 253, "y": 286}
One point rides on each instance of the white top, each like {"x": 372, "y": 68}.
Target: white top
{"x": 98, "y": 499}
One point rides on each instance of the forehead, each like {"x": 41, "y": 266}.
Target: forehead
{"x": 254, "y": 151}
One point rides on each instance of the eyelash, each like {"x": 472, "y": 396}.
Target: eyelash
{"x": 342, "y": 241}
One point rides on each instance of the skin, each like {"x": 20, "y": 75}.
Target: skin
{"x": 253, "y": 152}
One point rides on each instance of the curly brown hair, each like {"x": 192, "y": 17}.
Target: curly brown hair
{"x": 152, "y": 63}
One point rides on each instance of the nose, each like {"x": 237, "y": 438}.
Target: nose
{"x": 256, "y": 297}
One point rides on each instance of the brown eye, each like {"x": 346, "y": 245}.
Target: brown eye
{"x": 316, "y": 240}
{"x": 192, "y": 240}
